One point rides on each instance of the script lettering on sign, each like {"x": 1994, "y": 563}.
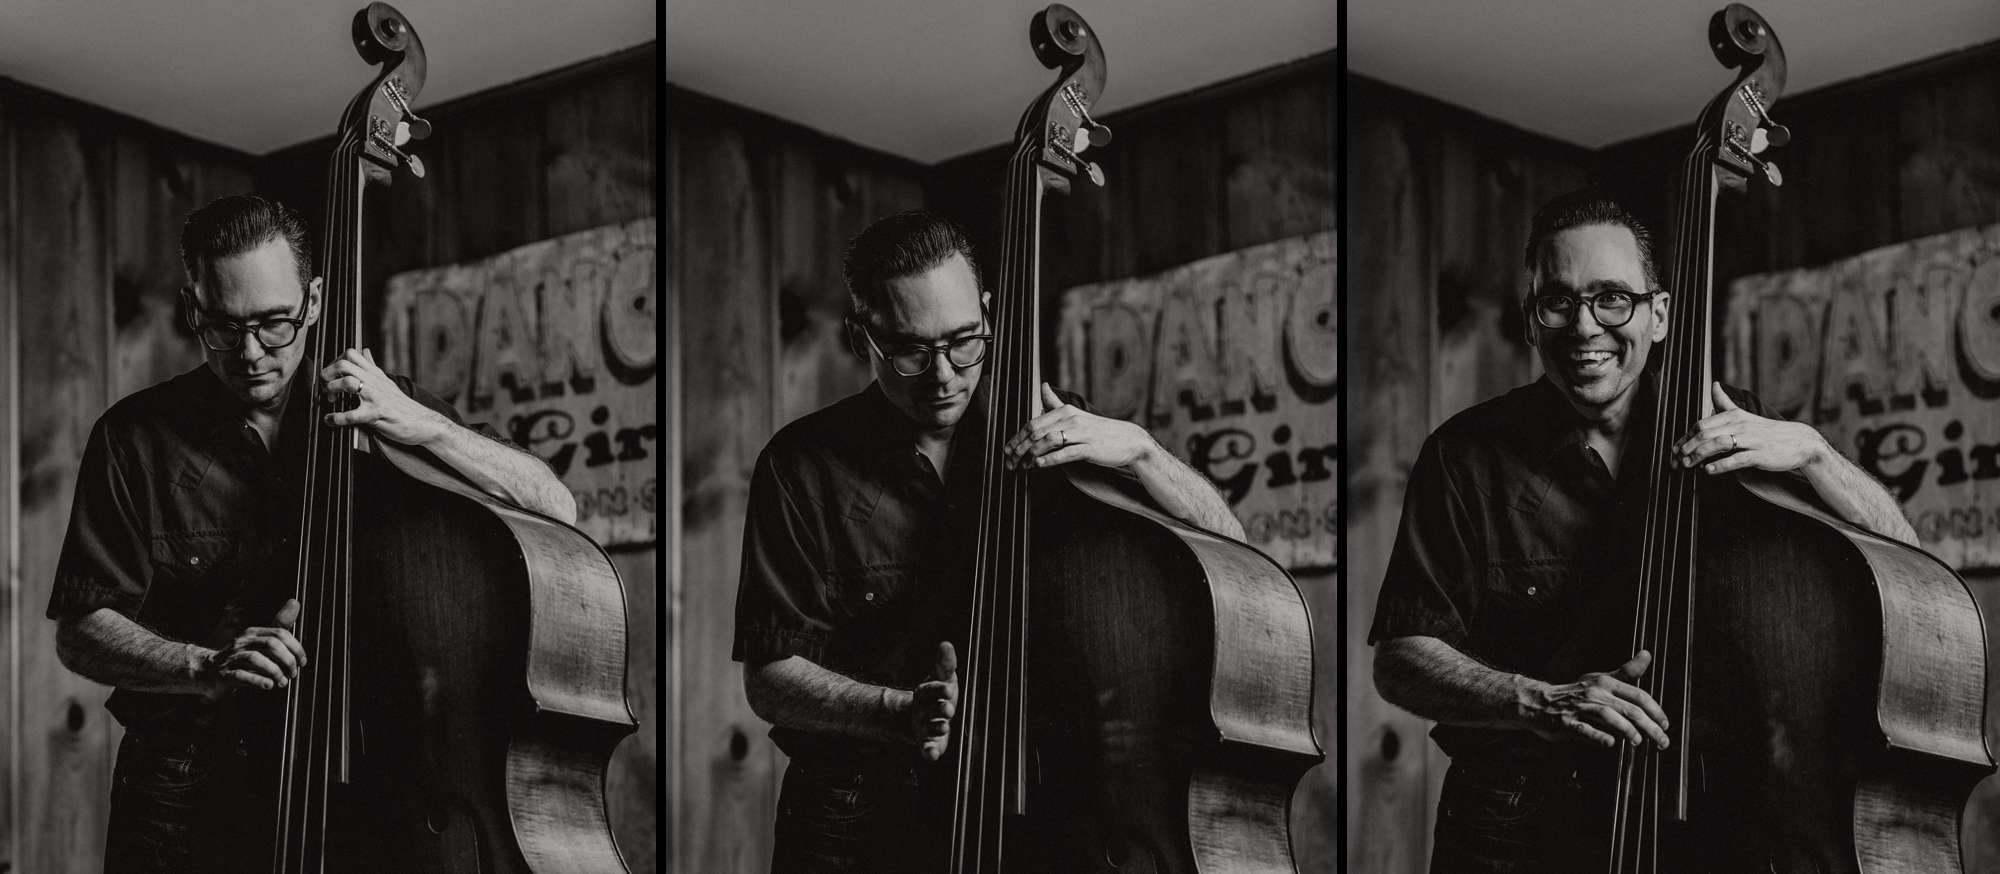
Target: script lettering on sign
{"x": 554, "y": 345}
{"x": 1232, "y": 363}
{"x": 1894, "y": 354}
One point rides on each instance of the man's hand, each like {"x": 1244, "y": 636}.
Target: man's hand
{"x": 1064, "y": 434}
{"x": 1600, "y": 708}
{"x": 379, "y": 403}
{"x": 262, "y": 657}
{"x": 933, "y": 704}
{"x": 1733, "y": 439}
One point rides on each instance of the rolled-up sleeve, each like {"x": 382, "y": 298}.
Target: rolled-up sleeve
{"x": 781, "y": 604}
{"x": 1429, "y": 586}
{"x": 105, "y": 560}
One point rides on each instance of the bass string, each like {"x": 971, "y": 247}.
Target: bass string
{"x": 1666, "y": 592}
{"x": 325, "y": 526}
{"x": 997, "y": 527}
{"x": 294, "y": 724}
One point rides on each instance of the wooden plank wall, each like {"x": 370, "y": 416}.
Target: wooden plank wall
{"x": 564, "y": 152}
{"x": 90, "y": 211}
{"x": 760, "y": 211}
{"x": 1905, "y": 154}
{"x": 1438, "y": 212}
{"x": 1234, "y": 165}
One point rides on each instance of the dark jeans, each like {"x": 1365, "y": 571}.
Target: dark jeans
{"x": 1501, "y": 819}
{"x": 845, "y": 819}
{"x": 184, "y": 807}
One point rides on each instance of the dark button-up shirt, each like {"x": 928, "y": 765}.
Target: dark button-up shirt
{"x": 1512, "y": 527}
{"x": 855, "y": 552}
{"x": 183, "y": 522}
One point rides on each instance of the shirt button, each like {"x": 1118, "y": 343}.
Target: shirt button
{"x": 194, "y": 561}
{"x": 868, "y": 597}
{"x": 1531, "y": 590}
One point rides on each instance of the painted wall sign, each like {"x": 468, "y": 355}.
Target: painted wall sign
{"x": 554, "y": 344}
{"x": 1232, "y": 363}
{"x": 1895, "y": 355}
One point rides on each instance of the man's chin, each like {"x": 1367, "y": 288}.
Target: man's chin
{"x": 258, "y": 394}
{"x": 1596, "y": 391}
{"x": 933, "y": 418}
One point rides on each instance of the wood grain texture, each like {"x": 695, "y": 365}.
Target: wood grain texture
{"x": 10, "y": 496}
{"x": 1173, "y": 674}
{"x": 66, "y": 735}
{"x": 729, "y": 770}
{"x": 1389, "y": 381}
{"x": 571, "y": 608}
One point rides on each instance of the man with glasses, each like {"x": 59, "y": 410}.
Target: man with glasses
{"x": 856, "y": 530}
{"x": 1513, "y": 516}
{"x": 170, "y": 575}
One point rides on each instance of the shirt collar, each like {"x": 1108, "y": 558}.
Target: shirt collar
{"x": 890, "y": 431}
{"x": 1560, "y": 428}
{"x": 219, "y": 409}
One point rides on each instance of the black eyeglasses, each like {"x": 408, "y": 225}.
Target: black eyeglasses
{"x": 227, "y": 336}
{"x": 910, "y": 359}
{"x": 1612, "y": 309}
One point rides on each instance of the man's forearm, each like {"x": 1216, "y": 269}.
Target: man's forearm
{"x": 107, "y": 647}
{"x": 1432, "y": 679}
{"x": 795, "y": 693}
{"x": 504, "y": 472}
{"x": 1185, "y": 494}
{"x": 1858, "y": 497}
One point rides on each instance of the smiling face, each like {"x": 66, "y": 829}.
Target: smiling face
{"x": 939, "y": 304}
{"x": 261, "y": 283}
{"x": 1595, "y": 366}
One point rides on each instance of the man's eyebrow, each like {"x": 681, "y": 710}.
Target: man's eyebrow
{"x": 260, "y": 315}
{"x": 1557, "y": 286}
{"x": 1603, "y": 285}
{"x": 899, "y": 337}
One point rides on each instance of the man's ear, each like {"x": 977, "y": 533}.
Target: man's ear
{"x": 186, "y": 301}
{"x": 313, "y": 290}
{"x": 854, "y": 339}
{"x": 1529, "y": 327}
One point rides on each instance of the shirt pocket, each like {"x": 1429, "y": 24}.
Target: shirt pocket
{"x": 196, "y": 558}
{"x": 861, "y": 593}
{"x": 1516, "y": 620}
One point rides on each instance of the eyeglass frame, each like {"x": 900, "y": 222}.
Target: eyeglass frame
{"x": 1638, "y": 297}
{"x": 239, "y": 330}
{"x": 931, "y": 350}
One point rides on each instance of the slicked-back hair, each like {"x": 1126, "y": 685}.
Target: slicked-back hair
{"x": 904, "y": 244}
{"x": 237, "y": 224}
{"x": 1580, "y": 208}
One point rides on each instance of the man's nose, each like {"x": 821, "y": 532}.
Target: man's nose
{"x": 1585, "y": 315}
{"x": 941, "y": 367}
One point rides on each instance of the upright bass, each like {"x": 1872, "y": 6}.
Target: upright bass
{"x": 1825, "y": 685}
{"x": 467, "y": 679}
{"x": 1137, "y": 692}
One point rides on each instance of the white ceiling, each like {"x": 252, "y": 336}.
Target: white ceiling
{"x": 1595, "y": 72}
{"x": 259, "y": 75}
{"x": 934, "y": 79}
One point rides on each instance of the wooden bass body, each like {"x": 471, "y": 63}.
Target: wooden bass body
{"x": 1838, "y": 692}
{"x": 1170, "y": 691}
{"x": 488, "y": 683}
